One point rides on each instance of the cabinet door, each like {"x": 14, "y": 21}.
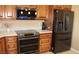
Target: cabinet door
{"x": 45, "y": 42}
{"x": 57, "y": 6}
{"x": 2, "y": 46}
{"x": 42, "y": 11}
{"x": 62, "y": 7}
{"x": 33, "y": 6}
{"x": 1, "y": 12}
{"x": 11, "y": 44}
{"x": 67, "y": 7}
{"x": 44, "y": 47}
{"x": 10, "y": 12}
{"x": 30, "y": 6}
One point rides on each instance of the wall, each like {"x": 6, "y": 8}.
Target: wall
{"x": 22, "y": 24}
{"x": 75, "y": 35}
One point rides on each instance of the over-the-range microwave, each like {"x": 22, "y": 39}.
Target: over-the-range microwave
{"x": 26, "y": 13}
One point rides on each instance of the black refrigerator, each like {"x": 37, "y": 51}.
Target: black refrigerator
{"x": 62, "y": 30}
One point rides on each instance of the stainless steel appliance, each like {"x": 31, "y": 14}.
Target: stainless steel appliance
{"x": 28, "y": 41}
{"x": 62, "y": 30}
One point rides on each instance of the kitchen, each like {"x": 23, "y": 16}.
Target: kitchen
{"x": 28, "y": 20}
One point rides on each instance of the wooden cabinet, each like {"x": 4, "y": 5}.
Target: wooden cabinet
{"x": 57, "y": 7}
{"x": 2, "y": 45}
{"x": 27, "y": 6}
{"x": 44, "y": 47}
{"x": 10, "y": 12}
{"x": 1, "y": 12}
{"x": 7, "y": 12}
{"x": 11, "y": 44}
{"x": 45, "y": 42}
{"x": 67, "y": 7}
{"x": 42, "y": 11}
{"x": 63, "y": 7}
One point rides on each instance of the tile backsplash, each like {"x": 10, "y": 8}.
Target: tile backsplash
{"x": 21, "y": 24}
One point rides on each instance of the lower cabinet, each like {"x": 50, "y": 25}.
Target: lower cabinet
{"x": 44, "y": 47}
{"x": 8, "y": 44}
{"x": 11, "y": 44}
{"x": 45, "y": 42}
{"x": 2, "y": 45}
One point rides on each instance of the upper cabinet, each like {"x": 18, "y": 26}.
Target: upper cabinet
{"x": 1, "y": 12}
{"x": 63, "y": 7}
{"x": 42, "y": 11}
{"x": 67, "y": 7}
{"x": 10, "y": 12}
{"x": 27, "y": 6}
{"x": 7, "y": 12}
{"x": 57, "y": 7}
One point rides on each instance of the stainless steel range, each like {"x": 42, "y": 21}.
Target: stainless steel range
{"x": 28, "y": 41}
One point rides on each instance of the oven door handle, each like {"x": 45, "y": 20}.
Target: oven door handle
{"x": 31, "y": 38}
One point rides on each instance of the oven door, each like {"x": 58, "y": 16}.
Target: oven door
{"x": 28, "y": 45}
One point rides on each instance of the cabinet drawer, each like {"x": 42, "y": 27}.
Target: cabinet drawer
{"x": 11, "y": 39}
{"x": 11, "y": 45}
{"x": 42, "y": 41}
{"x": 44, "y": 48}
{"x": 12, "y": 51}
{"x": 45, "y": 35}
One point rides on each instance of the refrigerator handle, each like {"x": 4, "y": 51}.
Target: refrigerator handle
{"x": 65, "y": 24}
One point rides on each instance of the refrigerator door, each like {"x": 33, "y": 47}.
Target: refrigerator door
{"x": 61, "y": 43}
{"x": 58, "y": 21}
{"x": 68, "y": 21}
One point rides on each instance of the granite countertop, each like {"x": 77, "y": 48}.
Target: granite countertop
{"x": 13, "y": 33}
